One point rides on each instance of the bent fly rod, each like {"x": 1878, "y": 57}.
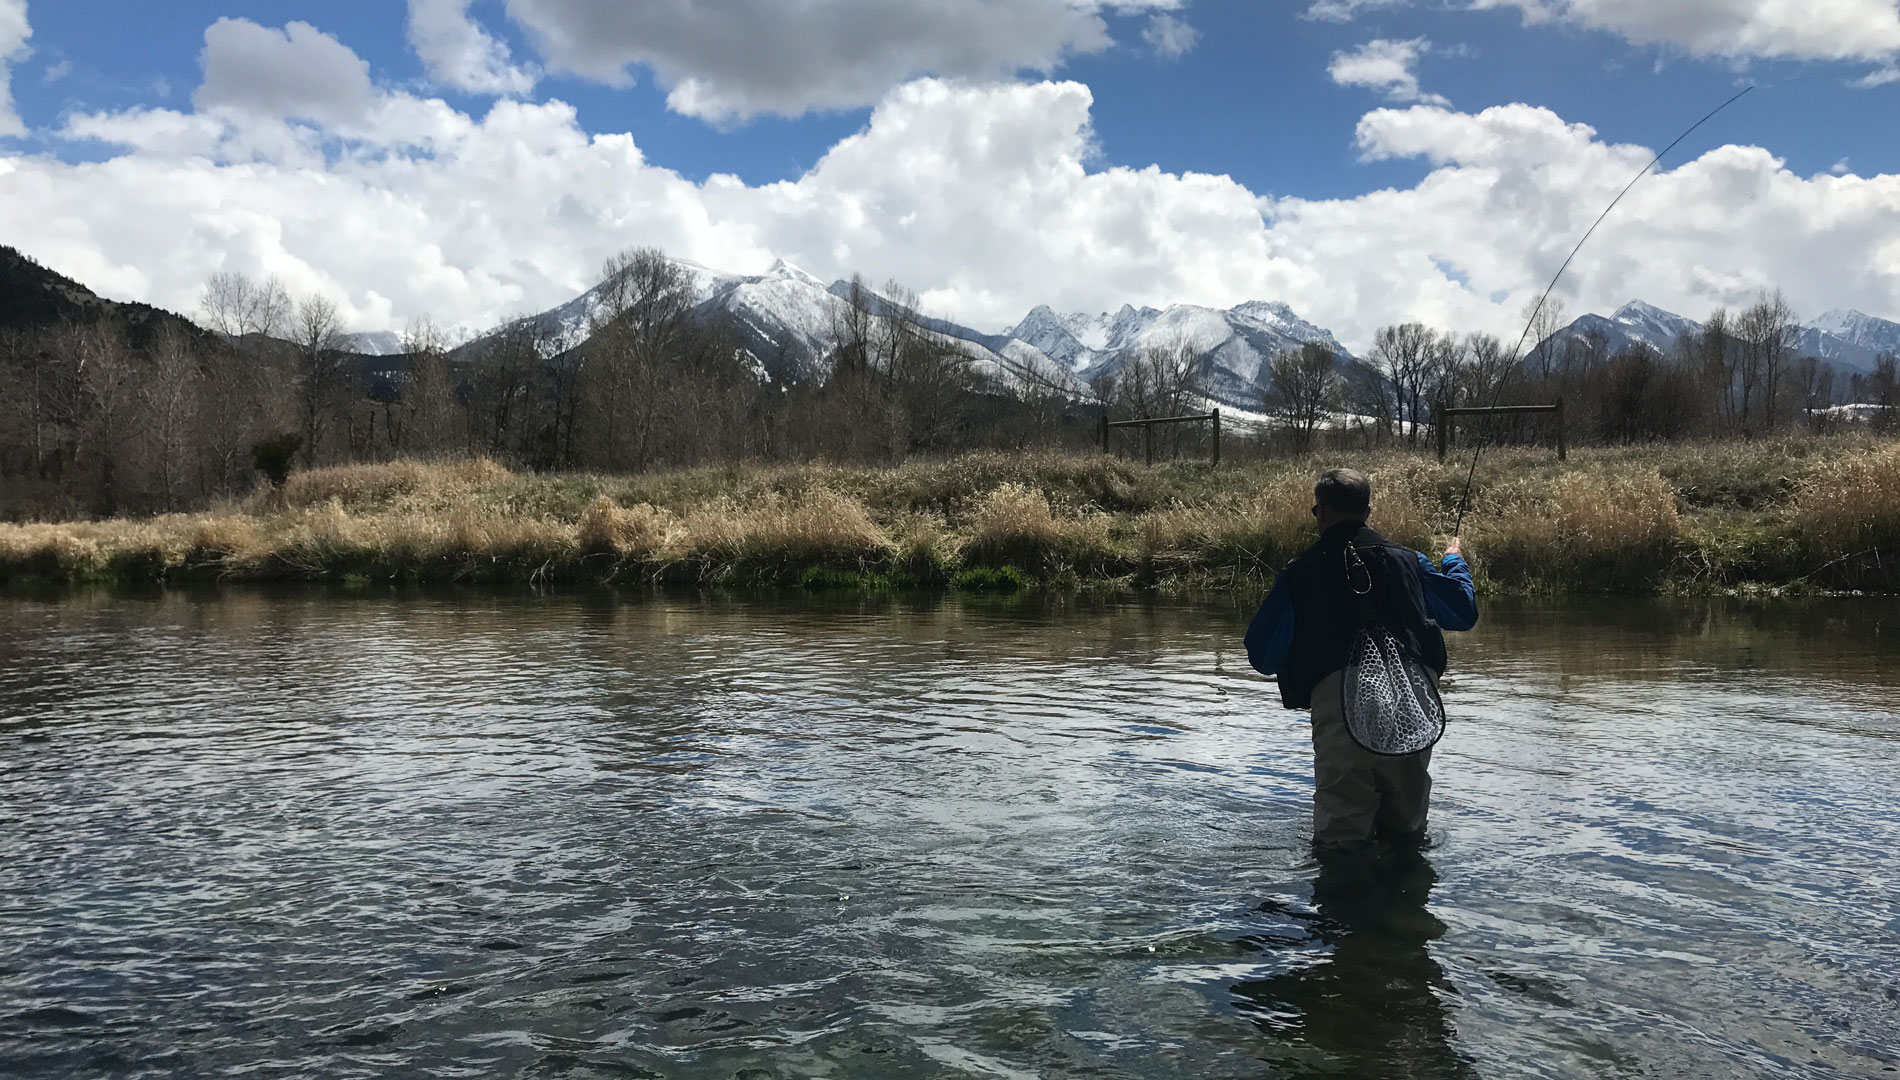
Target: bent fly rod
{"x": 1464, "y": 501}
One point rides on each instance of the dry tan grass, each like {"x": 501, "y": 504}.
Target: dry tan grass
{"x": 1015, "y": 525}
{"x": 1620, "y": 518}
{"x": 639, "y": 531}
{"x": 366, "y": 486}
{"x": 1852, "y": 501}
{"x": 821, "y": 528}
{"x": 1609, "y": 530}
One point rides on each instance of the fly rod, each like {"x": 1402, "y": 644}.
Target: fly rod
{"x": 1464, "y": 501}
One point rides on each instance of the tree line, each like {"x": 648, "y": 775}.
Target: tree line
{"x": 118, "y": 408}
{"x": 105, "y": 414}
{"x": 1741, "y": 375}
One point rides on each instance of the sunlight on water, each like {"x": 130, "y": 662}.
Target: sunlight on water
{"x": 455, "y": 835}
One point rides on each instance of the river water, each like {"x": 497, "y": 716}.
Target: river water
{"x": 360, "y": 834}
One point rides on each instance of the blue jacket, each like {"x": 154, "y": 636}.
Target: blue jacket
{"x": 1450, "y": 600}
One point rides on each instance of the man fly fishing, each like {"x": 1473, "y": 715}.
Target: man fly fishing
{"x": 1352, "y": 628}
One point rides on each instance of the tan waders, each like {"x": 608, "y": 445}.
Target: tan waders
{"x": 1356, "y": 792}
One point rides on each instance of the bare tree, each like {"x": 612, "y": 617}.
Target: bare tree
{"x": 236, "y": 306}
{"x": 641, "y": 324}
{"x": 1883, "y": 390}
{"x": 1817, "y": 387}
{"x": 1304, "y": 386}
{"x": 503, "y": 369}
{"x": 927, "y": 374}
{"x": 1406, "y": 356}
{"x": 420, "y": 421}
{"x": 1766, "y": 331}
{"x": 317, "y": 334}
{"x": 1545, "y": 322}
{"x": 1485, "y": 368}
{"x": 169, "y": 397}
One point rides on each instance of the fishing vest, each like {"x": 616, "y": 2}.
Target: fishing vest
{"x": 1328, "y": 608}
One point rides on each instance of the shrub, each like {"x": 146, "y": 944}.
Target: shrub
{"x": 639, "y": 531}
{"x": 1587, "y": 532}
{"x": 1846, "y": 518}
{"x": 779, "y": 535}
{"x": 1014, "y": 525}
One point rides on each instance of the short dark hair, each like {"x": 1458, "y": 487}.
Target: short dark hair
{"x": 1344, "y": 491}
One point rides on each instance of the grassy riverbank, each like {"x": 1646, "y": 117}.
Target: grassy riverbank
{"x": 1810, "y": 514}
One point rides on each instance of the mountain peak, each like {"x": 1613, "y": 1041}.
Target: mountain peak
{"x": 1842, "y": 322}
{"x": 785, "y": 271}
{"x": 1639, "y": 309}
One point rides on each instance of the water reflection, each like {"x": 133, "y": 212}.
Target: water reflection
{"x": 1374, "y": 1002}
{"x": 361, "y": 832}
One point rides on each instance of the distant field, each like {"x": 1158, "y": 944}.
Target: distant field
{"x": 1805, "y": 514}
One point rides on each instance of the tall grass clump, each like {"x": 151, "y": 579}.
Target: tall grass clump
{"x": 1248, "y": 534}
{"x": 641, "y": 531}
{"x": 1014, "y": 525}
{"x": 1585, "y": 532}
{"x": 1846, "y": 519}
{"x": 777, "y": 538}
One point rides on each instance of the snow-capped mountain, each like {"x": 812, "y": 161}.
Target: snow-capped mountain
{"x": 1847, "y": 339}
{"x": 1232, "y": 347}
{"x": 1240, "y": 338}
{"x": 1813, "y": 341}
{"x": 374, "y": 343}
{"x": 1850, "y": 338}
{"x": 1078, "y": 341}
{"x": 565, "y": 327}
{"x": 1635, "y": 323}
{"x": 783, "y": 318}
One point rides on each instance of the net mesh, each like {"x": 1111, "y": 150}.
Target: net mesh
{"x": 1391, "y": 704}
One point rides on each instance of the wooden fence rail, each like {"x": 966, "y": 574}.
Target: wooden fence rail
{"x": 1442, "y": 418}
{"x": 1148, "y": 432}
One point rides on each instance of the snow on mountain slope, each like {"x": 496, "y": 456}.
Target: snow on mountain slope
{"x": 1077, "y": 340}
{"x": 374, "y": 343}
{"x": 1635, "y": 323}
{"x": 1847, "y": 339}
{"x": 1232, "y": 347}
{"x": 1864, "y": 337}
{"x": 1651, "y": 324}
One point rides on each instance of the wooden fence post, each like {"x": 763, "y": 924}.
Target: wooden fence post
{"x": 1216, "y": 415}
{"x": 1441, "y": 422}
{"x": 1561, "y": 455}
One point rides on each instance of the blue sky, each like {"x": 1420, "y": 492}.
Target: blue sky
{"x": 1340, "y": 124}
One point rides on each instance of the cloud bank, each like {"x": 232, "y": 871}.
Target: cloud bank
{"x": 14, "y": 32}
{"x": 985, "y": 198}
{"x": 1734, "y": 29}
{"x": 743, "y": 58}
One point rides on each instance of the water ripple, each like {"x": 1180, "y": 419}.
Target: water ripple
{"x": 475, "y": 834}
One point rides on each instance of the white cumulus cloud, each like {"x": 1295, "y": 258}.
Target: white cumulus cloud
{"x": 1385, "y": 66}
{"x": 14, "y": 32}
{"x": 1797, "y": 29}
{"x": 1346, "y": 10}
{"x": 296, "y": 72}
{"x": 458, "y": 53}
{"x": 1170, "y": 37}
{"x": 987, "y": 199}
{"x": 744, "y": 58}
{"x": 1738, "y": 29}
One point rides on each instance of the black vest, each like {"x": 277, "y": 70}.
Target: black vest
{"x": 1328, "y": 611}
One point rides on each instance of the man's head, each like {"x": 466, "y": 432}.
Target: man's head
{"x": 1341, "y": 495}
